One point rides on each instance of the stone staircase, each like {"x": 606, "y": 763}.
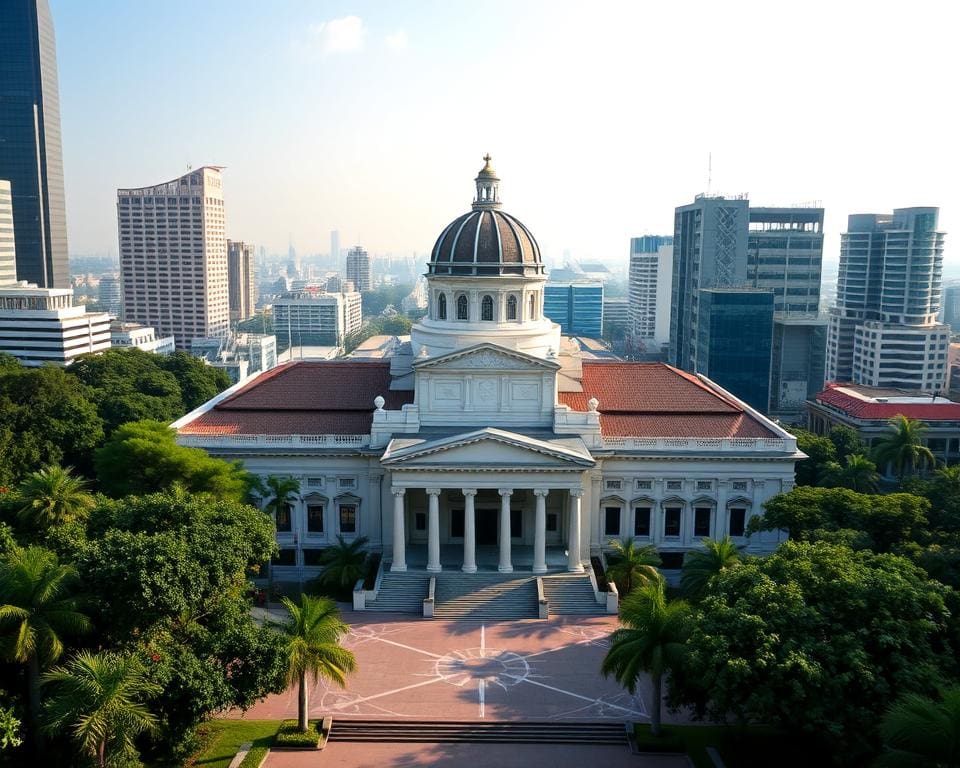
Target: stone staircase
{"x": 497, "y": 732}
{"x": 401, "y": 592}
{"x": 485, "y": 595}
{"x": 571, "y": 594}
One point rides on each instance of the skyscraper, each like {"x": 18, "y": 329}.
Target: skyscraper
{"x": 951, "y": 306}
{"x": 576, "y": 306}
{"x": 8, "y": 249}
{"x": 173, "y": 256}
{"x": 358, "y": 268}
{"x": 883, "y": 330}
{"x": 651, "y": 271}
{"x": 30, "y": 154}
{"x": 241, "y": 278}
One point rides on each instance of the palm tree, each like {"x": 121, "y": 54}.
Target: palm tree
{"x": 53, "y": 496}
{"x": 344, "y": 563}
{"x": 313, "y": 634}
{"x": 630, "y": 566}
{"x": 701, "y": 565}
{"x": 98, "y": 697}
{"x": 857, "y": 473}
{"x": 279, "y": 492}
{"x": 903, "y": 447}
{"x": 919, "y": 732}
{"x": 651, "y": 641}
{"x": 36, "y": 612}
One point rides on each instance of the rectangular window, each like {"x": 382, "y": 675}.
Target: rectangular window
{"x": 738, "y": 521}
{"x": 313, "y": 557}
{"x": 285, "y": 519}
{"x": 315, "y": 518}
{"x": 516, "y": 523}
{"x": 456, "y": 524}
{"x": 346, "y": 483}
{"x": 348, "y": 518}
{"x": 314, "y": 482}
{"x": 674, "y": 485}
{"x": 614, "y": 485}
{"x": 641, "y": 521}
{"x": 671, "y": 521}
{"x": 704, "y": 485}
{"x": 644, "y": 485}
{"x": 611, "y": 521}
{"x": 701, "y": 521}
{"x": 420, "y": 521}
{"x": 552, "y": 521}
{"x": 739, "y": 485}
{"x": 285, "y": 557}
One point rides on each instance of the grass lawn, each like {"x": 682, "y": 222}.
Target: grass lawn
{"x": 740, "y": 748}
{"x": 225, "y": 738}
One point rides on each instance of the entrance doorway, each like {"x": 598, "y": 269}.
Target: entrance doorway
{"x": 486, "y": 526}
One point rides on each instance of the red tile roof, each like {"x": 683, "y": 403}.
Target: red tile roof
{"x": 304, "y": 398}
{"x": 871, "y": 409}
{"x": 657, "y": 400}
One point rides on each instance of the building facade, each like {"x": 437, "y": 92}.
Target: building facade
{"x": 316, "y": 318}
{"x": 576, "y": 306}
{"x": 358, "y": 268}
{"x": 488, "y": 442}
{"x": 173, "y": 256}
{"x": 951, "y": 307}
{"x": 650, "y": 276}
{"x": 110, "y": 294}
{"x": 8, "y": 248}
{"x": 31, "y": 157}
{"x": 883, "y": 330}
{"x": 241, "y": 280}
{"x": 131, "y": 335}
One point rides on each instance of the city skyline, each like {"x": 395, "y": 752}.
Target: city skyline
{"x": 365, "y": 119}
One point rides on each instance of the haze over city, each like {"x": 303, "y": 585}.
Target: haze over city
{"x": 371, "y": 118}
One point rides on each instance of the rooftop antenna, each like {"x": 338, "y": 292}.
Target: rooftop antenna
{"x": 709, "y": 171}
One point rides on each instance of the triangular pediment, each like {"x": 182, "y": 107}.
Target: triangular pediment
{"x": 487, "y": 448}
{"x": 486, "y": 356}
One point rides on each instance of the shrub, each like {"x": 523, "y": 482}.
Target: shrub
{"x": 290, "y": 737}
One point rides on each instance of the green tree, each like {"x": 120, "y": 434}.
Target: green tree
{"x": 52, "y": 497}
{"x": 98, "y": 698}
{"x": 903, "y": 449}
{"x": 143, "y": 457}
{"x": 198, "y": 381}
{"x": 343, "y": 564}
{"x": 651, "y": 641}
{"x": 37, "y": 612}
{"x": 630, "y": 566}
{"x": 701, "y": 565}
{"x": 847, "y": 442}
{"x": 815, "y": 638}
{"x": 919, "y": 732}
{"x": 278, "y": 492}
{"x": 820, "y": 451}
{"x": 398, "y": 325}
{"x": 313, "y": 646}
{"x": 857, "y": 473}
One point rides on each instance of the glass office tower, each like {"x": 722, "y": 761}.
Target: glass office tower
{"x": 30, "y": 154}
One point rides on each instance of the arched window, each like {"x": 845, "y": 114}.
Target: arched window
{"x": 442, "y": 306}
{"x": 533, "y": 306}
{"x": 463, "y": 311}
{"x": 486, "y": 308}
{"x": 511, "y": 307}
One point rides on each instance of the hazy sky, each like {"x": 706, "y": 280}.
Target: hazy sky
{"x": 372, "y": 117}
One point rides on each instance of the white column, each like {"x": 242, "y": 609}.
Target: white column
{"x": 506, "y": 565}
{"x": 573, "y": 546}
{"x": 469, "y": 532}
{"x": 399, "y": 535}
{"x": 720, "y": 525}
{"x": 433, "y": 530}
{"x": 540, "y": 532}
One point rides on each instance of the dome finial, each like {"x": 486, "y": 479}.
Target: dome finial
{"x": 488, "y": 192}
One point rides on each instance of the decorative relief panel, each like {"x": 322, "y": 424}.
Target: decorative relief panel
{"x": 448, "y": 390}
{"x": 489, "y": 359}
{"x": 487, "y": 391}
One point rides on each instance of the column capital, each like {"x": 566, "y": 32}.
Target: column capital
{"x": 469, "y": 491}
{"x": 505, "y": 491}
{"x": 541, "y": 491}
{"x": 433, "y": 491}
{"x": 576, "y": 493}
{"x": 398, "y": 491}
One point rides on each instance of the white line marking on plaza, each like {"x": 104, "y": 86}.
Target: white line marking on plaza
{"x": 598, "y": 702}
{"x": 483, "y": 643}
{"x": 480, "y": 689}
{"x": 354, "y": 702}
{"x": 409, "y": 647}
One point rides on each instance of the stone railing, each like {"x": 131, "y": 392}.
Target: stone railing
{"x": 694, "y": 444}
{"x": 270, "y": 441}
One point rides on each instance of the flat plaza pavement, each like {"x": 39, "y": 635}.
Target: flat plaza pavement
{"x": 416, "y": 669}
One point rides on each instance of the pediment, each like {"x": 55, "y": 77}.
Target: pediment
{"x": 487, "y": 449}
{"x": 486, "y": 356}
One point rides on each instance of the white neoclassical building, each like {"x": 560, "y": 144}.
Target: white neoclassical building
{"x": 490, "y": 442}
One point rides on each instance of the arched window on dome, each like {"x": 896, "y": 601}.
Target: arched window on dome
{"x": 486, "y": 308}
{"x": 511, "y": 307}
{"x": 532, "y": 303}
{"x": 442, "y": 306}
{"x": 463, "y": 310}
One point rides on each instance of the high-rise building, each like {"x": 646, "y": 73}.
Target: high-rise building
{"x": 30, "y": 154}
{"x": 241, "y": 278}
{"x": 651, "y": 272}
{"x": 883, "y": 330}
{"x": 358, "y": 268}
{"x": 616, "y": 316}
{"x": 8, "y": 248}
{"x": 173, "y": 256}
{"x": 951, "y": 305}
{"x": 577, "y": 307}
{"x": 315, "y": 318}
{"x": 110, "y": 294}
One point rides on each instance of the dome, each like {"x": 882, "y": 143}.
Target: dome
{"x": 486, "y": 241}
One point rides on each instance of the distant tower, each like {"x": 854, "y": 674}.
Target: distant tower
{"x": 30, "y": 154}
{"x": 358, "y": 268}
{"x": 335, "y": 248}
{"x": 241, "y": 279}
{"x": 293, "y": 262}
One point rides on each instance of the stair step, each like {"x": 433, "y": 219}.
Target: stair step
{"x": 506, "y": 732}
